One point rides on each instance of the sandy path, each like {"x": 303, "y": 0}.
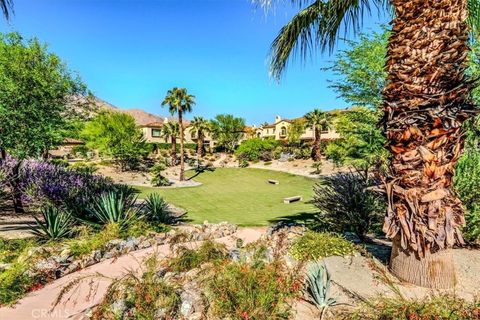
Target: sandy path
{"x": 89, "y": 291}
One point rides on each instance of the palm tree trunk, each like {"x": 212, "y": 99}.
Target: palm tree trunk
{"x": 174, "y": 150}
{"x": 316, "y": 152}
{"x": 426, "y": 101}
{"x": 182, "y": 151}
{"x": 200, "y": 144}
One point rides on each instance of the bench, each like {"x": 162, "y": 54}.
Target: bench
{"x": 273, "y": 181}
{"x": 292, "y": 199}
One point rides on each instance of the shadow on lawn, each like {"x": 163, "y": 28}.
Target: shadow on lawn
{"x": 304, "y": 218}
{"x": 201, "y": 169}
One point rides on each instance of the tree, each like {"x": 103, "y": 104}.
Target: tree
{"x": 319, "y": 121}
{"x": 171, "y": 131}
{"x": 228, "y": 131}
{"x": 361, "y": 142}
{"x": 360, "y": 70}
{"x": 295, "y": 131}
{"x": 425, "y": 102}
{"x": 179, "y": 101}
{"x": 35, "y": 92}
{"x": 200, "y": 126}
{"x": 35, "y": 96}
{"x": 116, "y": 134}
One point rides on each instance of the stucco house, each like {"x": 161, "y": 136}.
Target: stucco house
{"x": 278, "y": 130}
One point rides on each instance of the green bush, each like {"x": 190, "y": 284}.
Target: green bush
{"x": 168, "y": 146}
{"x": 437, "y": 307}
{"x": 158, "y": 180}
{"x": 88, "y": 241}
{"x": 316, "y": 246}
{"x": 55, "y": 224}
{"x": 84, "y": 167}
{"x": 345, "y": 204}
{"x": 14, "y": 283}
{"x": 256, "y": 149}
{"x": 10, "y": 249}
{"x": 467, "y": 184}
{"x": 188, "y": 259}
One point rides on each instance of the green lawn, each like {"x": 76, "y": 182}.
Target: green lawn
{"x": 240, "y": 196}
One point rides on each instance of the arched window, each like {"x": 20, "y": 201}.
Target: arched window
{"x": 283, "y": 131}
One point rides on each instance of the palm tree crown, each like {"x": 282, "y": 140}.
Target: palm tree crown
{"x": 318, "y": 119}
{"x": 178, "y": 100}
{"x": 200, "y": 125}
{"x": 318, "y": 25}
{"x": 170, "y": 130}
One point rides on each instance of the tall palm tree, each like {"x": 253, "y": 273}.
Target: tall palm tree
{"x": 426, "y": 100}
{"x": 200, "y": 126}
{"x": 170, "y": 131}
{"x": 319, "y": 121}
{"x": 179, "y": 102}
{"x": 7, "y": 8}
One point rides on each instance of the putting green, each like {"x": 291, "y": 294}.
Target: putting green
{"x": 241, "y": 195}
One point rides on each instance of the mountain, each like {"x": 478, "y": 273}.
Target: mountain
{"x": 141, "y": 117}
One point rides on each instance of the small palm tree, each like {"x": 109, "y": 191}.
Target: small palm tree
{"x": 7, "y": 8}
{"x": 170, "y": 131}
{"x": 179, "y": 102}
{"x": 200, "y": 126}
{"x": 319, "y": 121}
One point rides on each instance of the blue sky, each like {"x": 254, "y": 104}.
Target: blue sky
{"x": 130, "y": 52}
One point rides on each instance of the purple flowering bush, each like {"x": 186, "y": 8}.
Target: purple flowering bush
{"x": 44, "y": 183}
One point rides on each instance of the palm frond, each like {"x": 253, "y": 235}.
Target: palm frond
{"x": 7, "y": 8}
{"x": 318, "y": 26}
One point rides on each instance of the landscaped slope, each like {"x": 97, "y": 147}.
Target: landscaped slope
{"x": 240, "y": 196}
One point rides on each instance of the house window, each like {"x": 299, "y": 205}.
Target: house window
{"x": 156, "y": 133}
{"x": 283, "y": 131}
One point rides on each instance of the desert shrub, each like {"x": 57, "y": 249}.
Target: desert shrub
{"x": 243, "y": 163}
{"x": 318, "y": 167}
{"x": 55, "y": 224}
{"x": 145, "y": 294}
{"x": 437, "y": 307}
{"x": 142, "y": 228}
{"x": 14, "y": 283}
{"x": 86, "y": 168}
{"x": 256, "y": 149}
{"x": 10, "y": 249}
{"x": 467, "y": 184}
{"x": 252, "y": 291}
{"x": 187, "y": 259}
{"x": 115, "y": 207}
{"x": 89, "y": 240}
{"x": 318, "y": 287}
{"x": 345, "y": 204}
{"x": 156, "y": 209}
{"x": 315, "y": 246}
{"x": 158, "y": 180}
{"x": 45, "y": 183}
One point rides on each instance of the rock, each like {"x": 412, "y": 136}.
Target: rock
{"x": 46, "y": 265}
{"x": 72, "y": 267}
{"x": 234, "y": 254}
{"x": 160, "y": 314}
{"x": 118, "y": 307}
{"x": 191, "y": 306}
{"x": 130, "y": 245}
{"x": 113, "y": 244}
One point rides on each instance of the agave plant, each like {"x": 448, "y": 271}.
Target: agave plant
{"x": 156, "y": 209}
{"x": 115, "y": 207}
{"x": 318, "y": 287}
{"x": 55, "y": 224}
